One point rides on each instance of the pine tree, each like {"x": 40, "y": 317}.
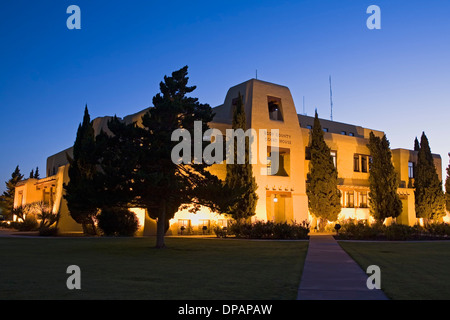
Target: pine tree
{"x": 136, "y": 162}
{"x": 7, "y": 199}
{"x": 80, "y": 190}
{"x": 167, "y": 185}
{"x": 430, "y": 199}
{"x": 322, "y": 179}
{"x": 241, "y": 175}
{"x": 383, "y": 197}
{"x": 31, "y": 174}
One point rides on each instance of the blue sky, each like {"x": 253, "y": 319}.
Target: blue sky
{"x": 396, "y": 79}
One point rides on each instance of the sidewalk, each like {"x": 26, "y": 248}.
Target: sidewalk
{"x": 330, "y": 273}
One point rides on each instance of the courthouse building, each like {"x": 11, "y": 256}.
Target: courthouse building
{"x": 282, "y": 196}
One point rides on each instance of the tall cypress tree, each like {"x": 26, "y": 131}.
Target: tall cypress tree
{"x": 36, "y": 173}
{"x": 430, "y": 199}
{"x": 7, "y": 198}
{"x": 118, "y": 156}
{"x": 240, "y": 176}
{"x": 416, "y": 145}
{"x": 80, "y": 191}
{"x": 322, "y": 179}
{"x": 383, "y": 197}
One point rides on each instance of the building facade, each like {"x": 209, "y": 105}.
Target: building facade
{"x": 281, "y": 196}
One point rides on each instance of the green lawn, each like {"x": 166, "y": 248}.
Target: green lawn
{"x": 130, "y": 268}
{"x": 409, "y": 270}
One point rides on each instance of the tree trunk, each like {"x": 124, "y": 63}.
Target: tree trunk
{"x": 88, "y": 226}
{"x": 160, "y": 226}
{"x": 94, "y": 228}
{"x": 322, "y": 224}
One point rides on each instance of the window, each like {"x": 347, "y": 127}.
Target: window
{"x": 363, "y": 203}
{"x": 184, "y": 225}
{"x": 333, "y": 155}
{"x": 364, "y": 163}
{"x": 361, "y": 162}
{"x": 351, "y": 134}
{"x": 350, "y": 199}
{"x": 308, "y": 126}
{"x": 20, "y": 202}
{"x": 203, "y": 225}
{"x": 223, "y": 223}
{"x": 269, "y": 166}
{"x": 325, "y": 129}
{"x": 274, "y": 105}
{"x": 411, "y": 169}
{"x": 343, "y": 133}
{"x": 284, "y": 163}
{"x": 356, "y": 163}
{"x": 47, "y": 198}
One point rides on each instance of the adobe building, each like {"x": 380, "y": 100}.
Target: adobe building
{"x": 282, "y": 196}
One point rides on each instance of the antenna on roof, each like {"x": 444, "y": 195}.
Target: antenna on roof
{"x": 304, "y": 112}
{"x": 331, "y": 101}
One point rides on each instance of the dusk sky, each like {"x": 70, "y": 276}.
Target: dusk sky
{"x": 396, "y": 79}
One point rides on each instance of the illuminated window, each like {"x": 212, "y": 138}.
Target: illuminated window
{"x": 47, "y": 198}
{"x": 20, "y": 202}
{"x": 274, "y": 105}
{"x": 284, "y": 163}
{"x": 223, "y": 222}
{"x": 361, "y": 163}
{"x": 184, "y": 225}
{"x": 363, "y": 197}
{"x": 364, "y": 163}
{"x": 204, "y": 222}
{"x": 410, "y": 169}
{"x": 356, "y": 163}
{"x": 350, "y": 199}
{"x": 203, "y": 225}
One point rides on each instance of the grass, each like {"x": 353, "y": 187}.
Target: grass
{"x": 130, "y": 268}
{"x": 409, "y": 270}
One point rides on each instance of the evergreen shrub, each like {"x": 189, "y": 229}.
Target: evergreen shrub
{"x": 115, "y": 221}
{"x": 269, "y": 230}
{"x": 362, "y": 230}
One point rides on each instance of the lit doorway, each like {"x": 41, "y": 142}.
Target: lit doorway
{"x": 279, "y": 206}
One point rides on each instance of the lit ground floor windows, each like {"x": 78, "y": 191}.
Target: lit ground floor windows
{"x": 184, "y": 226}
{"x": 354, "y": 198}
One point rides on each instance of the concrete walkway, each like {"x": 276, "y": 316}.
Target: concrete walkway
{"x": 330, "y": 273}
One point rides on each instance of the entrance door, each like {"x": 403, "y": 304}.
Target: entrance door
{"x": 279, "y": 206}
